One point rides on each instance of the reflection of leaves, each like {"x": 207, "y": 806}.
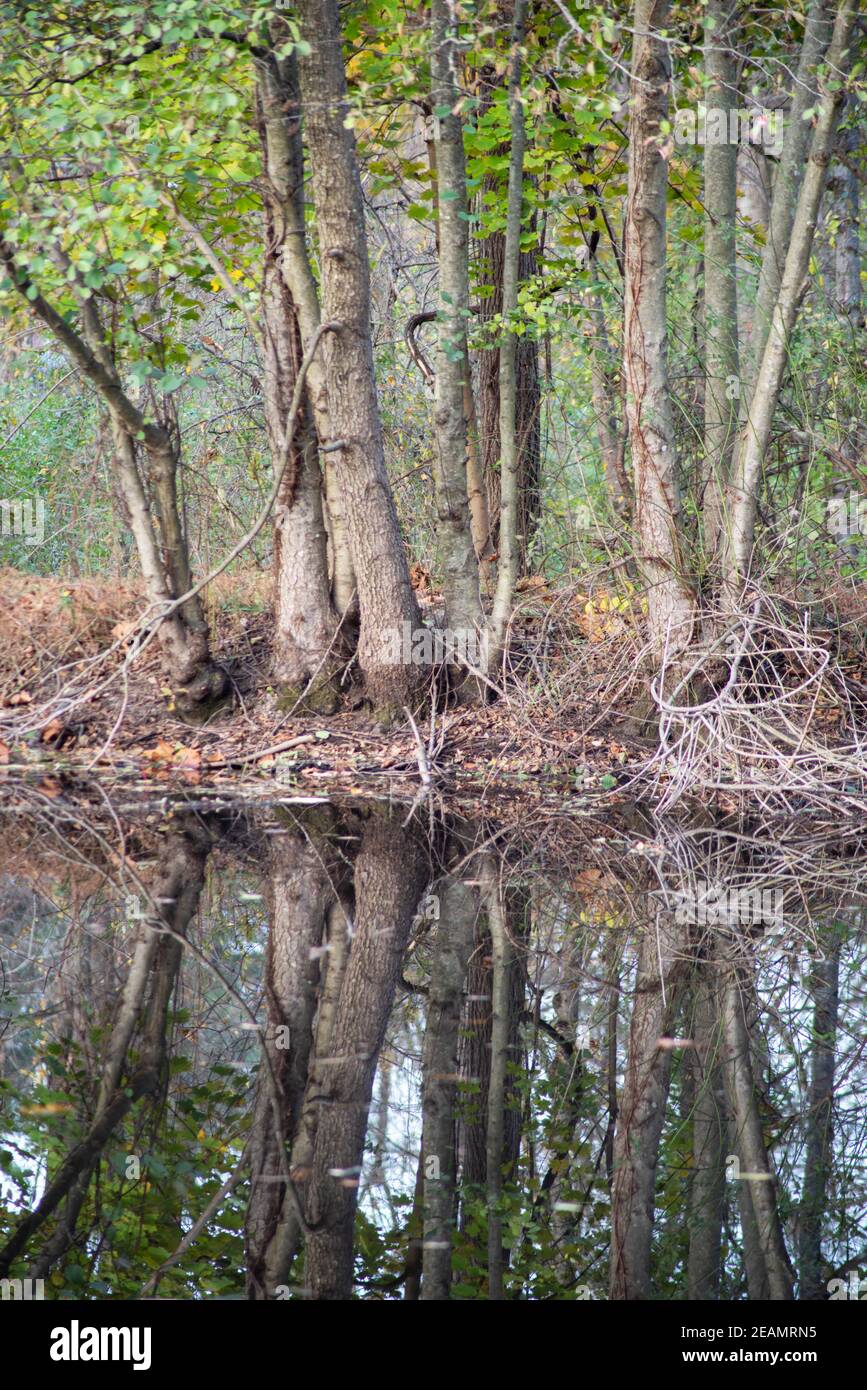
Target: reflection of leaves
{"x": 168, "y": 757}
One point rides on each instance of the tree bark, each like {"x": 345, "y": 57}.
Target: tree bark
{"x": 743, "y": 493}
{"x": 459, "y": 908}
{"x": 501, "y": 957}
{"x": 707, "y": 1186}
{"x": 458, "y": 565}
{"x": 642, "y": 1109}
{"x": 183, "y": 635}
{"x": 817, "y": 1162}
{"x": 389, "y": 877}
{"x": 300, "y": 892}
{"x": 790, "y": 174}
{"x": 603, "y": 375}
{"x": 755, "y": 1168}
{"x": 144, "y": 1004}
{"x": 657, "y": 508}
{"x": 306, "y": 647}
{"x": 387, "y": 601}
{"x": 509, "y": 553}
{"x": 720, "y": 273}
{"x": 280, "y": 99}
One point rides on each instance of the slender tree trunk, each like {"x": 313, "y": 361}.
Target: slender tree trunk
{"x": 306, "y": 646}
{"x": 509, "y": 553}
{"x": 753, "y": 440}
{"x": 386, "y": 598}
{"x": 817, "y": 1163}
{"x": 143, "y": 1005}
{"x": 389, "y": 877}
{"x": 528, "y": 401}
{"x": 847, "y": 267}
{"x": 300, "y": 892}
{"x": 415, "y": 1238}
{"x": 790, "y": 173}
{"x": 753, "y": 212}
{"x": 501, "y": 955}
{"x": 603, "y": 372}
{"x": 459, "y": 908}
{"x": 183, "y": 636}
{"x": 337, "y": 957}
{"x": 490, "y": 272}
{"x": 458, "y": 564}
{"x": 642, "y": 1109}
{"x": 280, "y": 99}
{"x": 720, "y": 272}
{"x": 657, "y": 509}
{"x": 707, "y": 1186}
{"x": 753, "y": 1158}
{"x": 477, "y": 492}
{"x": 476, "y": 1051}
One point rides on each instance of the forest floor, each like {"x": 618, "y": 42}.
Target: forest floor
{"x": 560, "y": 734}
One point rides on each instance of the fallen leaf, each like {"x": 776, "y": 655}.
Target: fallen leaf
{"x": 162, "y": 753}
{"x": 186, "y": 757}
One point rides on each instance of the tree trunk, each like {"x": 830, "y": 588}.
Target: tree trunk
{"x": 847, "y": 267}
{"x": 501, "y": 956}
{"x": 642, "y": 1110}
{"x": 720, "y": 273}
{"x": 389, "y": 876}
{"x": 528, "y": 399}
{"x": 280, "y": 99}
{"x": 755, "y": 1168}
{"x": 509, "y": 554}
{"x": 707, "y": 1186}
{"x": 477, "y": 492}
{"x": 490, "y": 272}
{"x": 459, "y": 908}
{"x": 753, "y": 440}
{"x": 458, "y": 565}
{"x": 183, "y": 635}
{"x": 657, "y": 509}
{"x": 386, "y": 598}
{"x": 306, "y": 646}
{"x": 300, "y": 891}
{"x": 603, "y": 375}
{"x": 753, "y": 211}
{"x": 817, "y": 1162}
{"x": 143, "y": 1005}
{"x": 790, "y": 174}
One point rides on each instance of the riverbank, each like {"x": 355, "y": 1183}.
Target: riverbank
{"x": 788, "y": 733}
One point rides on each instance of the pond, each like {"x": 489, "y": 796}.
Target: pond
{"x": 319, "y": 1049}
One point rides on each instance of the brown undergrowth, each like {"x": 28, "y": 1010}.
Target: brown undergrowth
{"x": 793, "y": 720}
